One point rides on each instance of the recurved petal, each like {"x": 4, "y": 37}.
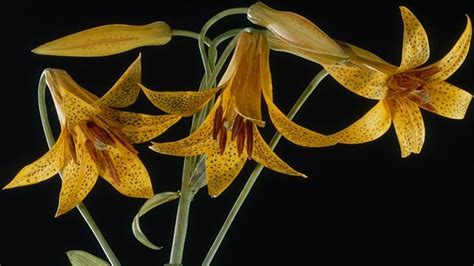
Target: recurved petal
{"x": 77, "y": 179}
{"x": 183, "y": 103}
{"x": 370, "y": 127}
{"x": 265, "y": 156}
{"x": 196, "y": 143}
{"x": 294, "y": 29}
{"x": 360, "y": 79}
{"x": 449, "y": 100}
{"x": 453, "y": 60}
{"x": 139, "y": 128}
{"x": 107, "y": 40}
{"x": 134, "y": 178}
{"x": 125, "y": 91}
{"x": 221, "y": 169}
{"x": 409, "y": 126}
{"x": 296, "y": 133}
{"x": 43, "y": 168}
{"x": 416, "y": 49}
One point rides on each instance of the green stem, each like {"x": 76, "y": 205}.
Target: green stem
{"x": 205, "y": 28}
{"x": 256, "y": 172}
{"x": 189, "y": 34}
{"x": 80, "y": 207}
{"x": 182, "y": 216}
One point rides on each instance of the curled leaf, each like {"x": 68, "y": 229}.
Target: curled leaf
{"x": 150, "y": 204}
{"x": 82, "y": 258}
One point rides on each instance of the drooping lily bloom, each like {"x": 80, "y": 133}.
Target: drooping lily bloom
{"x": 403, "y": 90}
{"x": 295, "y": 34}
{"x": 229, "y": 135}
{"x": 107, "y": 40}
{"x": 95, "y": 140}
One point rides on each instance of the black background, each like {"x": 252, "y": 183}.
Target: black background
{"x": 361, "y": 205}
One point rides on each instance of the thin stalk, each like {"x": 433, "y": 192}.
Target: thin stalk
{"x": 43, "y": 110}
{"x": 189, "y": 34}
{"x": 181, "y": 224}
{"x": 256, "y": 172}
{"x": 205, "y": 28}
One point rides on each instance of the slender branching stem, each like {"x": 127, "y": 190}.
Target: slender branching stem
{"x": 256, "y": 172}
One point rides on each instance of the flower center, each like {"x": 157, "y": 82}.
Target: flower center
{"x": 240, "y": 129}
{"x": 412, "y": 85}
{"x": 98, "y": 143}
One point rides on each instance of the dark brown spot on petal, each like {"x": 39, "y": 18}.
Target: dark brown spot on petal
{"x": 222, "y": 141}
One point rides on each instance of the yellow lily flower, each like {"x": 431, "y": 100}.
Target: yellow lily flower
{"x": 403, "y": 90}
{"x": 295, "y": 34}
{"x": 95, "y": 140}
{"x": 229, "y": 135}
{"x": 107, "y": 40}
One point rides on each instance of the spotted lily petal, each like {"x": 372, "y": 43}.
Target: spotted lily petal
{"x": 70, "y": 99}
{"x": 139, "y": 128}
{"x": 295, "y": 30}
{"x": 265, "y": 156}
{"x": 43, "y": 168}
{"x": 134, "y": 180}
{"x": 370, "y": 127}
{"x": 79, "y": 176}
{"x": 449, "y": 100}
{"x": 416, "y": 49}
{"x": 125, "y": 91}
{"x": 294, "y": 132}
{"x": 360, "y": 79}
{"x": 107, "y": 40}
{"x": 197, "y": 143}
{"x": 409, "y": 126}
{"x": 453, "y": 60}
{"x": 183, "y": 103}
{"x": 222, "y": 168}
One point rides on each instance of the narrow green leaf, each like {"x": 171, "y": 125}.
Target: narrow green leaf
{"x": 82, "y": 258}
{"x": 153, "y": 202}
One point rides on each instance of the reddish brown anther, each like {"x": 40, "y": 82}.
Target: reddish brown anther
{"x": 99, "y": 133}
{"x": 217, "y": 122}
{"x": 249, "y": 133}
{"x": 109, "y": 165}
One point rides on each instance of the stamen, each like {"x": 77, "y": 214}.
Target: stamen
{"x": 99, "y": 133}
{"x": 93, "y": 153}
{"x": 238, "y": 123}
{"x": 423, "y": 74}
{"x": 217, "y": 122}
{"x": 72, "y": 147}
{"x": 249, "y": 133}
{"x": 241, "y": 138}
{"x": 123, "y": 140}
{"x": 109, "y": 165}
{"x": 222, "y": 141}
